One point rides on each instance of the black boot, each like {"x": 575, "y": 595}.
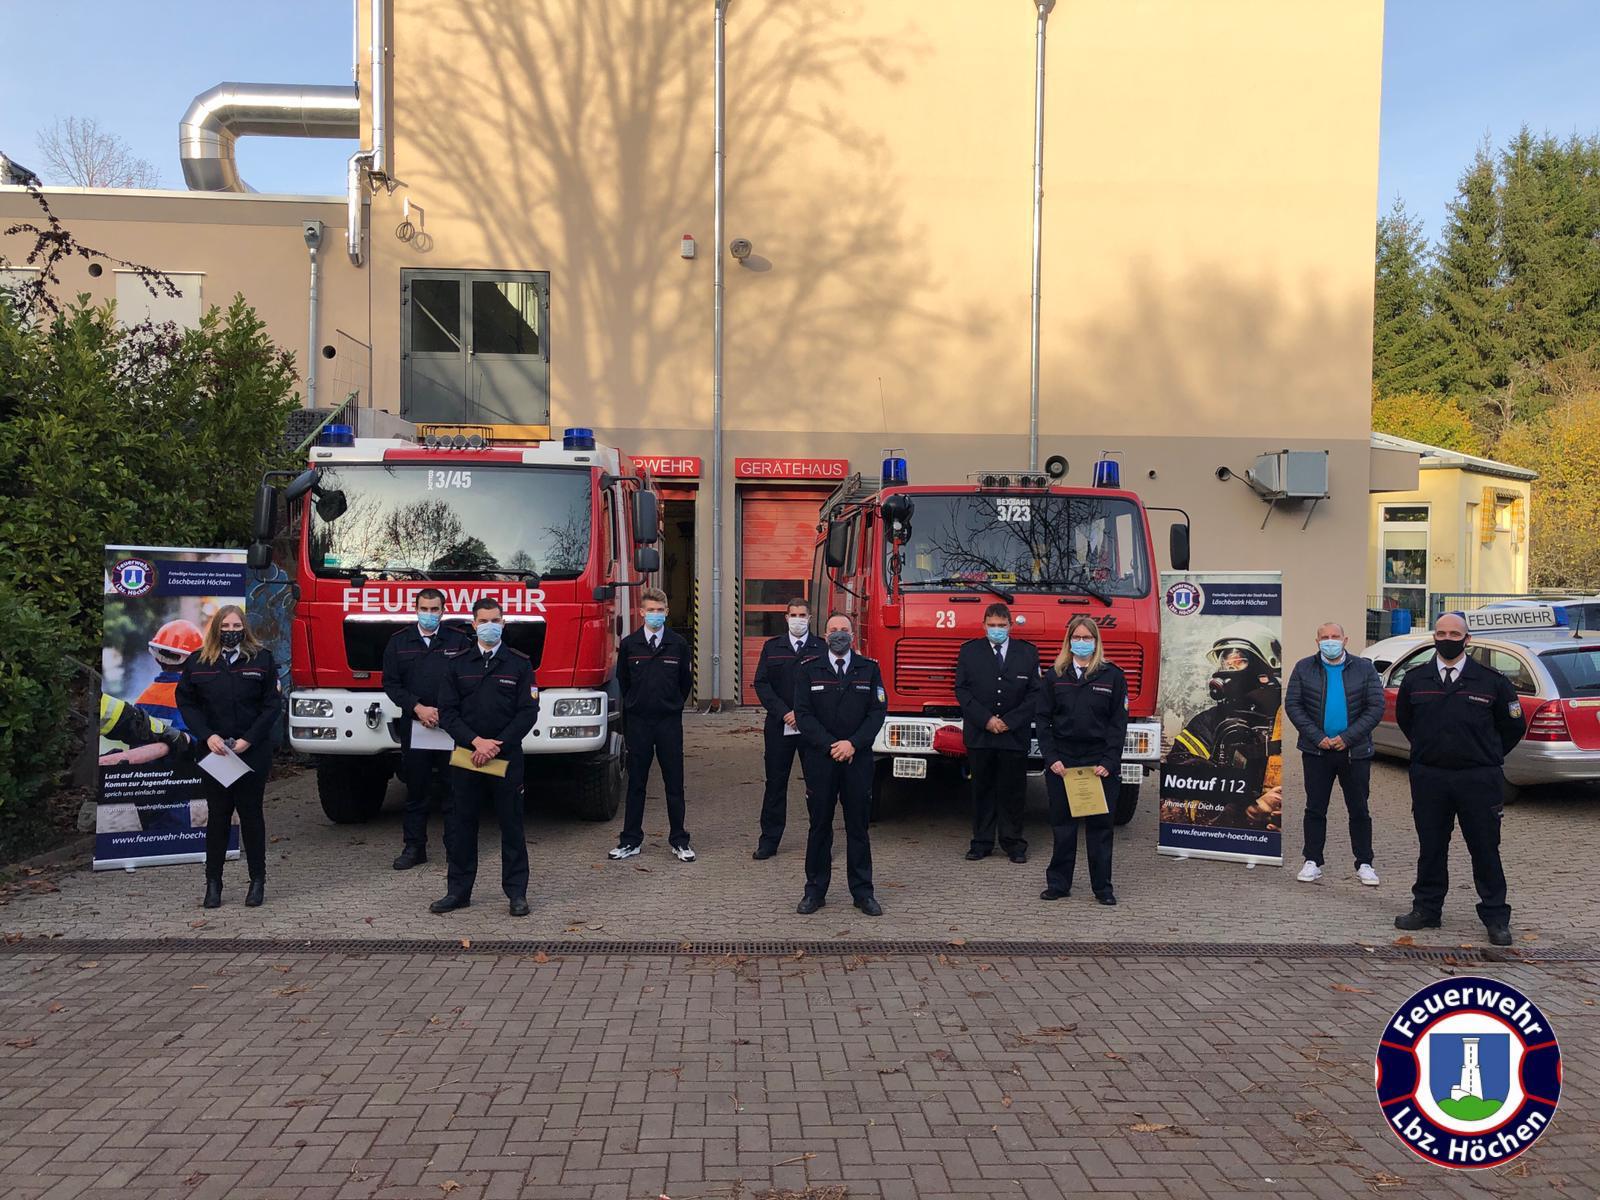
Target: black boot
{"x": 256, "y": 894}
{"x": 213, "y": 894}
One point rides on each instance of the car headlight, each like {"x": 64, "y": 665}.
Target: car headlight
{"x": 312, "y": 706}
{"x": 578, "y": 706}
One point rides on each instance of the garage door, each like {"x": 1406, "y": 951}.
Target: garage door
{"x": 777, "y": 529}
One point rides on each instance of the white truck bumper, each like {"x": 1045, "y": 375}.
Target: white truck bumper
{"x": 908, "y": 741}
{"x": 341, "y": 721}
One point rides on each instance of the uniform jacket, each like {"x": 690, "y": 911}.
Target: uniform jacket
{"x": 983, "y": 691}
{"x": 775, "y": 673}
{"x": 654, "y": 685}
{"x": 828, "y": 709}
{"x": 1473, "y": 723}
{"x": 1306, "y": 698}
{"x": 233, "y": 700}
{"x": 413, "y": 670}
{"x": 497, "y": 699}
{"x": 1083, "y": 722}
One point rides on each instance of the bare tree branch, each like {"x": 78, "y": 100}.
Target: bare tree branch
{"x": 78, "y": 152}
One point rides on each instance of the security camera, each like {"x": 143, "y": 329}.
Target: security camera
{"x": 740, "y": 248}
{"x": 312, "y": 232}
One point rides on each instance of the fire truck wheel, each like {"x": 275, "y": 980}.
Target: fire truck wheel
{"x": 1127, "y": 802}
{"x": 597, "y": 789}
{"x": 352, "y": 789}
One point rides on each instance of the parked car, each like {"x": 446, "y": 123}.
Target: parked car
{"x": 1575, "y": 612}
{"x": 1556, "y": 673}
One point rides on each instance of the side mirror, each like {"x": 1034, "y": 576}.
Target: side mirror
{"x": 647, "y": 560}
{"x": 1178, "y": 546}
{"x": 646, "y": 518}
{"x": 896, "y": 512}
{"x": 265, "y": 522}
{"x": 259, "y": 556}
{"x": 604, "y": 593}
{"x": 833, "y": 550}
{"x": 331, "y": 505}
{"x": 301, "y": 484}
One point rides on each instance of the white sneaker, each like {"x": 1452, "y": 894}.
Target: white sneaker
{"x": 1367, "y": 875}
{"x": 620, "y": 852}
{"x": 1310, "y": 873}
{"x": 684, "y": 853}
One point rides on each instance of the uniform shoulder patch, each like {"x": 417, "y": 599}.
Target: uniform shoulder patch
{"x": 883, "y": 697}
{"x": 1514, "y": 709}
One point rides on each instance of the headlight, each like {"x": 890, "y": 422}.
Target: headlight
{"x": 581, "y": 706}
{"x": 1140, "y": 743}
{"x": 575, "y": 731}
{"x": 310, "y": 706}
{"x": 315, "y": 733}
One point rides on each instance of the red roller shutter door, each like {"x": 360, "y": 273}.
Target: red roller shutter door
{"x": 777, "y": 529}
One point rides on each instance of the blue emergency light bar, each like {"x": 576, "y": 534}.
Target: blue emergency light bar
{"x": 894, "y": 471}
{"x": 577, "y": 438}
{"x": 337, "y": 435}
{"x": 1107, "y": 473}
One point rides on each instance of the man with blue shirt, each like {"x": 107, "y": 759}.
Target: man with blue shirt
{"x": 1335, "y": 701}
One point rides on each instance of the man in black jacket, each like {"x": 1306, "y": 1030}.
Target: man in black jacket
{"x": 781, "y": 657}
{"x": 655, "y": 672}
{"x": 1335, "y": 701}
{"x": 488, "y": 702}
{"x": 997, "y": 686}
{"x": 414, "y": 664}
{"x": 1462, "y": 719}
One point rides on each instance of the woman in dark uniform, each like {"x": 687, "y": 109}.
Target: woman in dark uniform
{"x": 228, "y": 696}
{"x": 1083, "y": 719}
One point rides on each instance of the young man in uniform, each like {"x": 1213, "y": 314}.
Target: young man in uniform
{"x": 414, "y": 664}
{"x": 997, "y": 686}
{"x": 839, "y": 704}
{"x": 781, "y": 658}
{"x": 488, "y": 702}
{"x": 655, "y": 674}
{"x": 1462, "y": 719}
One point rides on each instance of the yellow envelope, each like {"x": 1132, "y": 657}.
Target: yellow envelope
{"x": 462, "y": 757}
{"x": 1086, "y": 796}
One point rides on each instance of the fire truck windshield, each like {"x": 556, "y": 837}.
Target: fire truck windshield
{"x": 1092, "y": 545}
{"x": 458, "y": 520}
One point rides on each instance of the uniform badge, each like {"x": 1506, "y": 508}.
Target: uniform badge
{"x": 882, "y": 697}
{"x": 1514, "y": 709}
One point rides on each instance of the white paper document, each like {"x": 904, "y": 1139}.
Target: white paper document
{"x": 227, "y": 769}
{"x": 791, "y": 731}
{"x": 424, "y": 738}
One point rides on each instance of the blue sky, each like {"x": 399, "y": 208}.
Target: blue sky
{"x": 1455, "y": 71}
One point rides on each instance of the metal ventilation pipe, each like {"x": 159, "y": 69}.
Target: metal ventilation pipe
{"x": 380, "y": 91}
{"x": 219, "y": 117}
{"x": 1043, "y": 8}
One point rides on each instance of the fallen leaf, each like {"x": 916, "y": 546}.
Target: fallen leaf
{"x": 200, "y": 924}
{"x": 1005, "y": 1101}
{"x": 1148, "y": 1127}
{"x": 798, "y": 955}
{"x": 1405, "y": 940}
{"x": 22, "y": 1043}
{"x": 944, "y": 960}
{"x": 193, "y": 1178}
{"x": 466, "y": 944}
{"x": 639, "y": 867}
{"x": 958, "y": 941}
{"x": 284, "y": 967}
{"x": 291, "y": 991}
{"x": 806, "y": 1157}
{"x": 13, "y": 938}
{"x": 448, "y": 1186}
{"x": 56, "y": 1006}
{"x": 199, "y": 987}
{"x": 1113, "y": 1054}
{"x": 1350, "y": 987}
{"x": 541, "y": 957}
{"x": 32, "y": 871}
{"x": 84, "y": 966}
{"x": 1530, "y": 937}
{"x": 367, "y": 920}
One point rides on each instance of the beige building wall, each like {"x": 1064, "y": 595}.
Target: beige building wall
{"x": 1476, "y": 533}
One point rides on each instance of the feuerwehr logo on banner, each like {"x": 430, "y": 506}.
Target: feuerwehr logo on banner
{"x": 1185, "y": 598}
{"x": 133, "y": 576}
{"x": 1469, "y": 1073}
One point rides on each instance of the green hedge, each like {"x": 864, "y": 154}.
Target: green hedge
{"x": 33, "y": 727}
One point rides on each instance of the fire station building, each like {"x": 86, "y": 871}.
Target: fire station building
{"x": 529, "y": 235}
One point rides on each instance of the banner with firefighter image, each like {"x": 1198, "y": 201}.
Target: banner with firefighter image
{"x": 1221, "y": 715}
{"x": 158, "y": 603}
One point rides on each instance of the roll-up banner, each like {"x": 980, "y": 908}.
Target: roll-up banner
{"x": 159, "y": 601}
{"x": 1221, "y": 716}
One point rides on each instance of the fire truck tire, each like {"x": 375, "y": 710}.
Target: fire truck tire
{"x": 597, "y": 788}
{"x": 1127, "y": 803}
{"x": 352, "y": 789}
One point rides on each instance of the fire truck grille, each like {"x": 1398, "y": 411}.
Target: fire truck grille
{"x": 925, "y": 668}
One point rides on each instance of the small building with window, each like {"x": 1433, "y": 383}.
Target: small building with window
{"x": 1462, "y": 531}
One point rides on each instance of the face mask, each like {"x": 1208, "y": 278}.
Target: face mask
{"x": 655, "y": 620}
{"x": 1332, "y": 648}
{"x": 1448, "y": 648}
{"x": 489, "y": 633}
{"x": 230, "y": 638}
{"x": 839, "y": 642}
{"x": 1081, "y": 647}
{"x": 429, "y": 622}
{"x": 799, "y": 626}
{"x": 997, "y": 633}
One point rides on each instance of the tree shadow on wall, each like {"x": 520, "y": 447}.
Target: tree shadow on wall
{"x": 583, "y": 145}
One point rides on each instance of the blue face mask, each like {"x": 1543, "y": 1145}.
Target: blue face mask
{"x": 489, "y": 633}
{"x": 655, "y": 620}
{"x": 997, "y": 633}
{"x": 429, "y": 622}
{"x": 1331, "y": 648}
{"x": 1081, "y": 647}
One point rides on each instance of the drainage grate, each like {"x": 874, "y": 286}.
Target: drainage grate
{"x": 983, "y": 948}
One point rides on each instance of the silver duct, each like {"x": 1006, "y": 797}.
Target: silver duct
{"x": 380, "y": 91}
{"x": 219, "y": 117}
{"x": 1043, "y": 13}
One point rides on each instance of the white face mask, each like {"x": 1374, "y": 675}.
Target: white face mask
{"x": 799, "y": 627}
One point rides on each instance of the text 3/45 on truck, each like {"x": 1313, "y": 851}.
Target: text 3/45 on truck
{"x": 560, "y": 533}
{"x": 915, "y": 565}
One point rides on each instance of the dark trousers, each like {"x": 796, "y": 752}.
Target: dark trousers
{"x": 1097, "y": 837}
{"x": 468, "y": 790}
{"x": 417, "y": 768}
{"x": 999, "y": 787}
{"x": 244, "y": 798}
{"x": 828, "y": 785}
{"x": 1440, "y": 798}
{"x": 779, "y": 756}
{"x": 660, "y": 738}
{"x": 1355, "y": 777}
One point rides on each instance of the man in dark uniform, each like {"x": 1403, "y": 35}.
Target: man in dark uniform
{"x": 839, "y": 704}
{"x": 414, "y": 664}
{"x": 774, "y": 683}
{"x": 997, "y": 686}
{"x": 488, "y": 702}
{"x": 655, "y": 672}
{"x": 1461, "y": 719}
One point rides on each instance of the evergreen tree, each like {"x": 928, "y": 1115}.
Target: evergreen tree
{"x": 1399, "y": 310}
{"x": 1468, "y": 308}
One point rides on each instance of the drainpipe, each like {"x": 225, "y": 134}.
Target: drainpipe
{"x": 380, "y": 89}
{"x": 313, "y": 235}
{"x": 355, "y": 203}
{"x": 719, "y": 179}
{"x": 1043, "y": 7}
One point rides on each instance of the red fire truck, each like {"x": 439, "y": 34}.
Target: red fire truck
{"x": 559, "y": 532}
{"x": 914, "y": 566}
